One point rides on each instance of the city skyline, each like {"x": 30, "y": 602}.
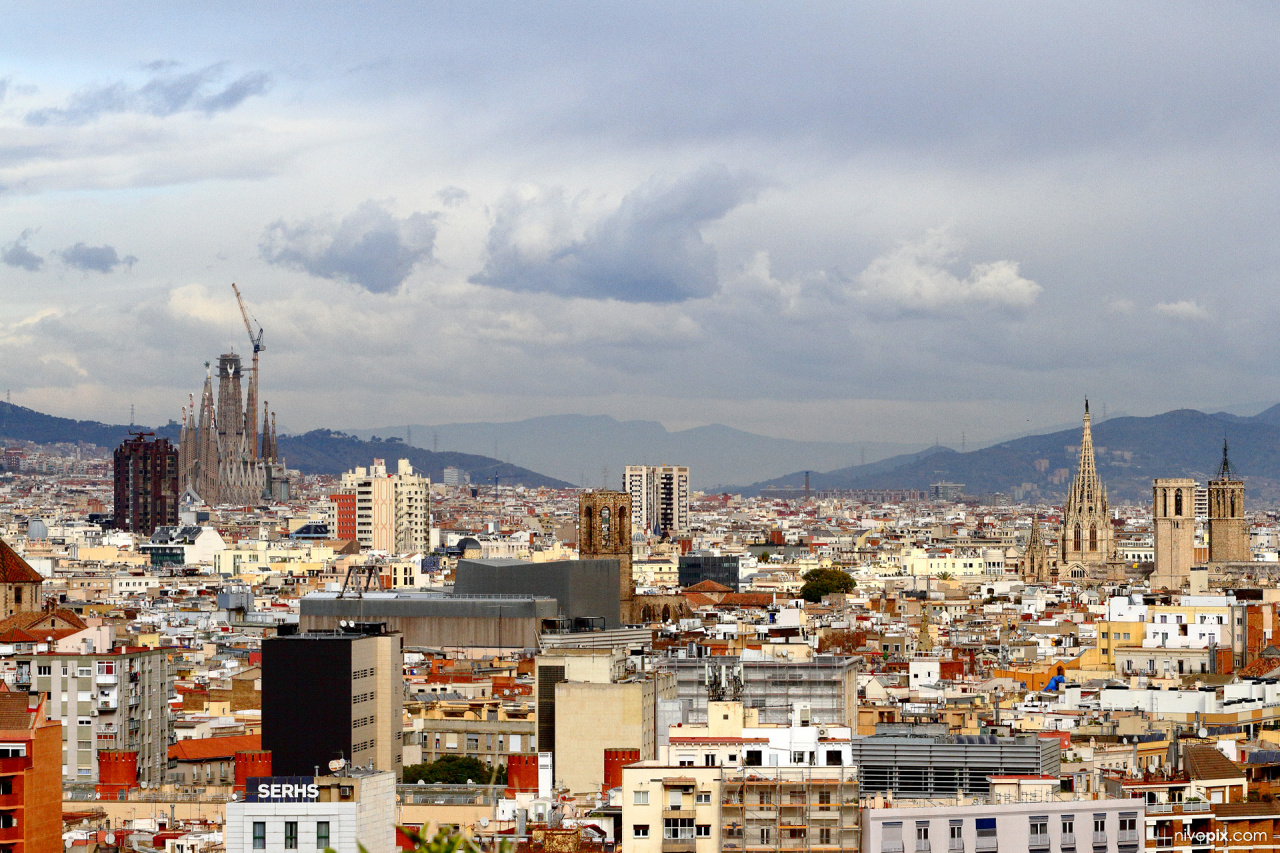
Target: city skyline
{"x": 853, "y": 222}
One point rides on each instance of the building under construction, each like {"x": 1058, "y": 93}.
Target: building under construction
{"x": 822, "y": 690}
{"x": 223, "y": 458}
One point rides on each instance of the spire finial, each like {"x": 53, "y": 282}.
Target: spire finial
{"x": 1224, "y": 470}
{"x": 1086, "y": 405}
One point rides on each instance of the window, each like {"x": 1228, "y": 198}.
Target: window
{"x": 709, "y": 759}
{"x": 675, "y": 799}
{"x": 824, "y": 835}
{"x": 766, "y": 837}
{"x": 1040, "y": 832}
{"x": 677, "y": 828}
{"x": 1099, "y": 826}
{"x": 702, "y": 798}
{"x": 639, "y": 798}
{"x": 640, "y": 830}
{"x": 43, "y": 669}
{"x": 797, "y": 758}
{"x": 955, "y": 840}
{"x": 766, "y": 798}
{"x": 290, "y": 835}
{"x": 259, "y": 835}
{"x": 891, "y": 840}
{"x": 702, "y": 830}
{"x": 922, "y": 835}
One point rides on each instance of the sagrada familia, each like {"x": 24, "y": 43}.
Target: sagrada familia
{"x": 223, "y": 458}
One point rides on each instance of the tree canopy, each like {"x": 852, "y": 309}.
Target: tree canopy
{"x": 820, "y": 582}
{"x": 455, "y": 770}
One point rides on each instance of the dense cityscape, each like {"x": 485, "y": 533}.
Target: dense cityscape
{"x": 319, "y": 661}
{"x": 651, "y": 427}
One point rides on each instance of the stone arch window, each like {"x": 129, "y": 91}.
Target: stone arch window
{"x": 1164, "y": 495}
{"x": 646, "y": 614}
{"x": 1177, "y": 502}
{"x": 1233, "y": 505}
{"x": 1077, "y": 539}
{"x": 1093, "y": 537}
{"x": 666, "y": 613}
{"x": 588, "y": 528}
{"x": 605, "y": 528}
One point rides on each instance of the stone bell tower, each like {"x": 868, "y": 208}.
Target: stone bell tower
{"x": 1228, "y": 530}
{"x": 604, "y": 533}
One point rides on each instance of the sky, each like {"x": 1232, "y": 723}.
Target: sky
{"x": 839, "y": 222}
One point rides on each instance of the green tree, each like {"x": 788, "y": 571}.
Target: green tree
{"x": 455, "y": 770}
{"x": 820, "y": 582}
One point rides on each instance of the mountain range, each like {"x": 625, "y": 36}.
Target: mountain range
{"x": 316, "y": 452}
{"x": 1130, "y": 452}
{"x": 592, "y": 450}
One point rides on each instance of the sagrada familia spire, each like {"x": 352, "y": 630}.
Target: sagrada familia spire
{"x": 220, "y": 456}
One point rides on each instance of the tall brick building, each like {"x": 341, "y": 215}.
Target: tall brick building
{"x": 146, "y": 484}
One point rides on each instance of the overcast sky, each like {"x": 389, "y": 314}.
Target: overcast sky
{"x": 818, "y": 221}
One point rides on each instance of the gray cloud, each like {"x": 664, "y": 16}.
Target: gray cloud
{"x": 165, "y": 94}
{"x": 370, "y": 247}
{"x": 650, "y": 249}
{"x": 103, "y": 259}
{"x": 16, "y": 254}
{"x": 452, "y": 196}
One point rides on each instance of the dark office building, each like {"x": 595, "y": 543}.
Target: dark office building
{"x": 585, "y": 589}
{"x": 328, "y": 695}
{"x": 146, "y": 484}
{"x": 696, "y": 568}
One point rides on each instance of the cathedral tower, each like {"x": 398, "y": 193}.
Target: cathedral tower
{"x": 1228, "y": 531}
{"x": 1087, "y": 542}
{"x": 1173, "y": 514}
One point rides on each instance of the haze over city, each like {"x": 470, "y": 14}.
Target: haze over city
{"x": 828, "y": 222}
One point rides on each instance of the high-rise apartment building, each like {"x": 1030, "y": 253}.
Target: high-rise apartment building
{"x": 659, "y": 498}
{"x": 113, "y": 700}
{"x": 146, "y": 484}
{"x": 392, "y": 511}
{"x": 328, "y": 695}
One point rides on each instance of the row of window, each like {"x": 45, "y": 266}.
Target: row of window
{"x": 290, "y": 834}
{"x": 356, "y": 747}
{"x": 675, "y": 799}
{"x": 363, "y": 721}
{"x": 363, "y": 673}
{"x": 357, "y": 698}
{"x": 1038, "y": 830}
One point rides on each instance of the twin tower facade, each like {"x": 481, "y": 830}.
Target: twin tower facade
{"x": 1173, "y": 514}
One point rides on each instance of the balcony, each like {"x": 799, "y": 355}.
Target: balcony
{"x": 107, "y": 678}
{"x": 1099, "y": 839}
{"x": 1038, "y": 841}
{"x": 1068, "y": 840}
{"x": 955, "y": 845}
{"x": 10, "y": 834}
{"x": 1127, "y": 836}
{"x": 106, "y": 704}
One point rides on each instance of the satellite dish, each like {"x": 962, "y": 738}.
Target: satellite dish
{"x": 484, "y": 821}
{"x": 342, "y": 623}
{"x": 67, "y": 844}
{"x": 1203, "y": 732}
{"x": 111, "y": 838}
{"x": 337, "y": 764}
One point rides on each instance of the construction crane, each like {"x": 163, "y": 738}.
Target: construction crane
{"x": 251, "y": 405}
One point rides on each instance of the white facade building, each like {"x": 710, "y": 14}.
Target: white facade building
{"x": 343, "y": 812}
{"x": 659, "y": 498}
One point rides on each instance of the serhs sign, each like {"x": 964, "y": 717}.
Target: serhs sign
{"x": 281, "y": 789}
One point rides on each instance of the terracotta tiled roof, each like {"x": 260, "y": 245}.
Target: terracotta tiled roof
{"x": 45, "y": 622}
{"x": 206, "y": 749}
{"x": 708, "y": 586}
{"x": 14, "y": 713}
{"x": 14, "y": 569}
{"x": 1205, "y": 762}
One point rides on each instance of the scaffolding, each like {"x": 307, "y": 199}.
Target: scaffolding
{"x": 790, "y": 808}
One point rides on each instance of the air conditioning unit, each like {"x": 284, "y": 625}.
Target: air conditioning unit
{"x": 822, "y": 732}
{"x": 93, "y": 712}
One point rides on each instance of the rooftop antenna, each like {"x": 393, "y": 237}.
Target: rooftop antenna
{"x": 131, "y": 414}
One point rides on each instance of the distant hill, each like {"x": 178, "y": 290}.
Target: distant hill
{"x": 1130, "y": 452}
{"x": 584, "y": 448}
{"x": 323, "y": 451}
{"x": 316, "y": 452}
